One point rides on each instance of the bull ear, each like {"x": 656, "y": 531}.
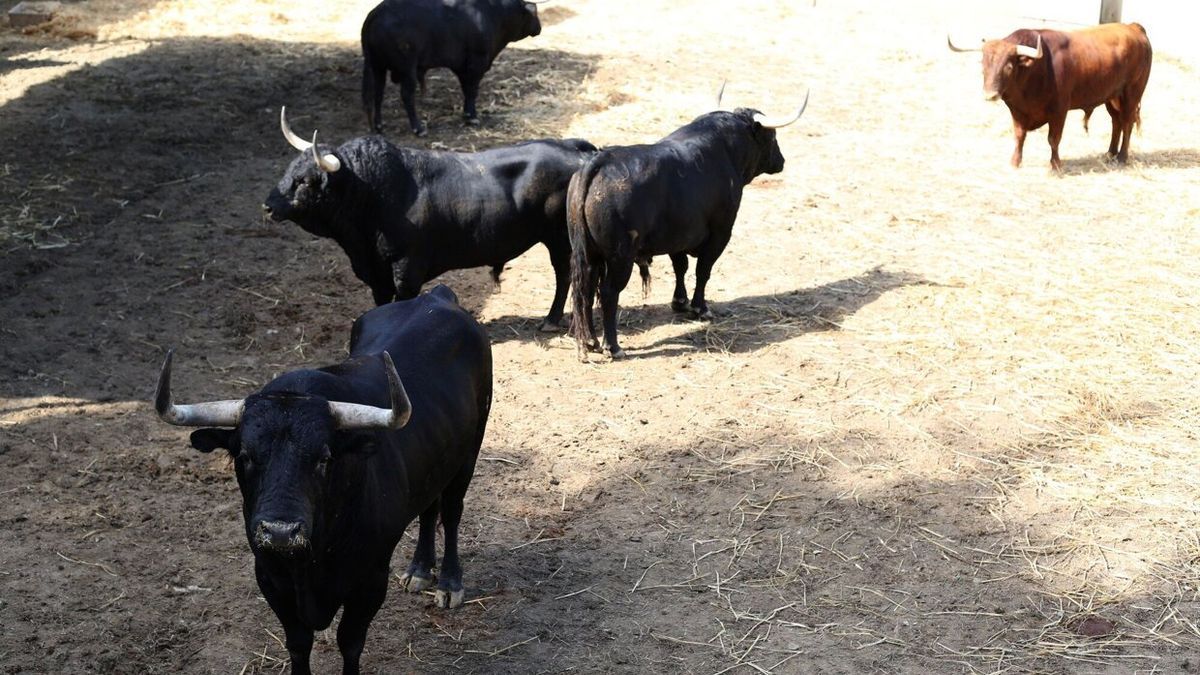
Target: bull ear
{"x": 207, "y": 440}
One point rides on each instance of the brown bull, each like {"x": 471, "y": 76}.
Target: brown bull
{"x": 1042, "y": 74}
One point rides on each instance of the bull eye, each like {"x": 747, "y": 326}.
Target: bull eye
{"x": 323, "y": 460}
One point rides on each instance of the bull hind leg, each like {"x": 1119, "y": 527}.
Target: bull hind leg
{"x": 679, "y": 299}
{"x": 357, "y": 612}
{"x": 1113, "y": 142}
{"x": 408, "y": 94}
{"x": 450, "y": 590}
{"x": 616, "y": 277}
{"x": 419, "y": 574}
{"x": 469, "y": 81}
{"x": 1129, "y": 115}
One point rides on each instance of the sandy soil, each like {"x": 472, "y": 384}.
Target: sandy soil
{"x": 945, "y": 421}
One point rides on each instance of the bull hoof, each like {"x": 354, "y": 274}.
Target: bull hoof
{"x": 414, "y": 583}
{"x": 680, "y": 305}
{"x": 471, "y": 121}
{"x": 615, "y": 354}
{"x": 447, "y": 599}
{"x": 702, "y": 314}
{"x": 549, "y": 326}
{"x": 420, "y": 131}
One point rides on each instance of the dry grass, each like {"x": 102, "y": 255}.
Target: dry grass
{"x": 950, "y": 418}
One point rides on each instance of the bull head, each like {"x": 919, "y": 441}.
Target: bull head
{"x": 328, "y": 162}
{"x": 346, "y": 416}
{"x": 1003, "y": 62}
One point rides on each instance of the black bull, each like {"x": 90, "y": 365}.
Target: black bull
{"x": 409, "y": 37}
{"x": 405, "y": 216}
{"x": 334, "y": 463}
{"x": 677, "y": 197}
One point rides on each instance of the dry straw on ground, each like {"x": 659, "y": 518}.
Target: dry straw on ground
{"x": 946, "y": 420}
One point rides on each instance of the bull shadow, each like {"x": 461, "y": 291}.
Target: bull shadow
{"x": 1173, "y": 158}
{"x": 742, "y": 324}
{"x": 130, "y": 215}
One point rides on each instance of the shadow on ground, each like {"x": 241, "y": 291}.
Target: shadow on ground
{"x": 139, "y": 180}
{"x": 742, "y": 324}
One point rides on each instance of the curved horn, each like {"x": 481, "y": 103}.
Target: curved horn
{"x": 950, "y": 44}
{"x": 328, "y": 163}
{"x": 211, "y": 414}
{"x": 1023, "y": 50}
{"x": 776, "y": 122}
{"x": 357, "y": 416}
{"x": 292, "y": 139}
{"x": 720, "y": 95}
{"x": 537, "y": 2}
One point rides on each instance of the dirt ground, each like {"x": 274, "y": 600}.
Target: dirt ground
{"x": 945, "y": 420}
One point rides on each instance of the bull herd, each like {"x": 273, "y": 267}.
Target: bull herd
{"x": 334, "y": 463}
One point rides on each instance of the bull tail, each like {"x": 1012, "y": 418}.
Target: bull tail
{"x": 496, "y": 270}
{"x": 368, "y": 79}
{"x": 583, "y": 257}
{"x": 1087, "y": 115}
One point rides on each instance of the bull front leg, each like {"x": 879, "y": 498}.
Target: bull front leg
{"x": 704, "y": 264}
{"x": 357, "y": 612}
{"x": 450, "y": 592}
{"x": 297, "y": 637}
{"x": 1019, "y": 132}
{"x": 1055, "y": 136}
{"x": 419, "y": 574}
{"x": 560, "y": 260}
{"x": 679, "y": 300}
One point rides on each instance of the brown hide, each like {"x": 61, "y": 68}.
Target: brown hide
{"x": 1105, "y": 65}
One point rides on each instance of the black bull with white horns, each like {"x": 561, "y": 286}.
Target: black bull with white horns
{"x": 677, "y": 197}
{"x": 409, "y": 37}
{"x": 404, "y": 216}
{"x": 334, "y": 463}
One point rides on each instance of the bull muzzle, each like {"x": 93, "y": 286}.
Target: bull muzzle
{"x": 281, "y": 538}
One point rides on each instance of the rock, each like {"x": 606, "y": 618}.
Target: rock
{"x": 31, "y": 13}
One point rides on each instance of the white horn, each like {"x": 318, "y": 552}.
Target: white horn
{"x": 211, "y": 414}
{"x": 1032, "y": 53}
{"x": 292, "y": 139}
{"x": 328, "y": 163}
{"x": 350, "y": 416}
{"x": 950, "y": 44}
{"x": 775, "y": 123}
{"x": 720, "y": 95}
